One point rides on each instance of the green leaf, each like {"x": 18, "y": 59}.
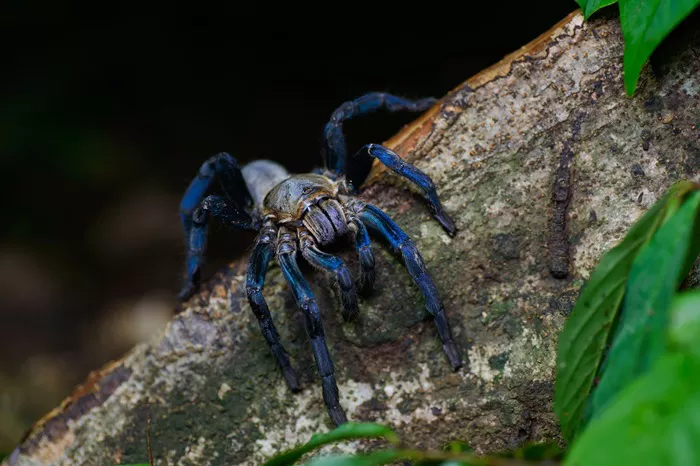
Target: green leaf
{"x": 654, "y": 278}
{"x": 349, "y": 431}
{"x": 457, "y": 446}
{"x": 653, "y": 421}
{"x": 380, "y": 457}
{"x": 583, "y": 341}
{"x": 685, "y": 322}
{"x": 591, "y": 6}
{"x": 645, "y": 23}
{"x": 537, "y": 452}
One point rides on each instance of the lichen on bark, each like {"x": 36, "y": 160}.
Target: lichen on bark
{"x": 544, "y": 163}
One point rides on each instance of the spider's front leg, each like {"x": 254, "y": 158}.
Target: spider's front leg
{"x": 379, "y": 222}
{"x": 286, "y": 256}
{"x": 332, "y": 264}
{"x": 263, "y": 252}
{"x": 211, "y": 206}
{"x": 402, "y": 168}
{"x": 363, "y": 246}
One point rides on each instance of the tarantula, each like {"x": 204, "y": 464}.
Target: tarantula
{"x": 302, "y": 213}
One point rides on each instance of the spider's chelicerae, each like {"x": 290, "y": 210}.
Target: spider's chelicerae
{"x": 302, "y": 214}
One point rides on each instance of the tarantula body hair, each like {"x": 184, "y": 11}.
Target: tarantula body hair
{"x": 297, "y": 216}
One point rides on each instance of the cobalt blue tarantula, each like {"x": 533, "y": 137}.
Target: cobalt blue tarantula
{"x": 302, "y": 214}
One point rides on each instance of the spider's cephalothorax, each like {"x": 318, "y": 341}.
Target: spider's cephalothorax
{"x": 312, "y": 200}
{"x": 298, "y": 215}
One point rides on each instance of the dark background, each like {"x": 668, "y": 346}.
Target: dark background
{"x": 105, "y": 119}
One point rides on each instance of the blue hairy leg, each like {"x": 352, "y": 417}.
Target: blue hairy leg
{"x": 333, "y": 138}
{"x": 218, "y": 207}
{"x": 225, "y": 168}
{"x": 379, "y": 222}
{"x": 402, "y": 168}
{"x": 257, "y": 269}
{"x": 364, "y": 251}
{"x": 286, "y": 252}
{"x": 336, "y": 266}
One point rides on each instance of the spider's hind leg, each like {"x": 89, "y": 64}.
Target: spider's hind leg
{"x": 333, "y": 137}
{"x": 234, "y": 209}
{"x": 286, "y": 256}
{"x": 215, "y": 206}
{"x": 381, "y": 223}
{"x": 224, "y": 167}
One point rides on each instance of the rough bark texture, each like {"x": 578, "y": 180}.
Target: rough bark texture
{"x": 544, "y": 163}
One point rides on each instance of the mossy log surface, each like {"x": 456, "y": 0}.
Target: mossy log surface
{"x": 544, "y": 163}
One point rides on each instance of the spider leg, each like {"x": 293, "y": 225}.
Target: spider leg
{"x": 257, "y": 269}
{"x": 226, "y": 168}
{"x": 286, "y": 256}
{"x": 333, "y": 138}
{"x": 381, "y": 223}
{"x": 211, "y": 206}
{"x": 364, "y": 251}
{"x": 334, "y": 265}
{"x": 402, "y": 168}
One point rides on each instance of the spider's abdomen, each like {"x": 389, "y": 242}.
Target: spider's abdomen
{"x": 312, "y": 200}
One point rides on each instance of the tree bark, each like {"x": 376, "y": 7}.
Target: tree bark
{"x": 544, "y": 163}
